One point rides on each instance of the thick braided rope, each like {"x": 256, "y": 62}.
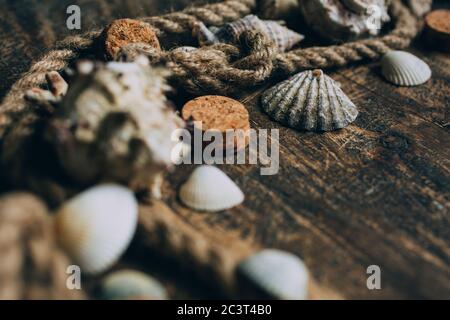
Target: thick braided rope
{"x": 31, "y": 266}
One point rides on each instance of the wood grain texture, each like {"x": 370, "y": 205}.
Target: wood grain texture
{"x": 376, "y": 192}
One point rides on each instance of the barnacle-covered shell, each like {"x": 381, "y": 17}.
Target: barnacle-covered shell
{"x": 209, "y": 189}
{"x": 311, "y": 101}
{"x": 275, "y": 274}
{"x": 114, "y": 124}
{"x": 131, "y": 285}
{"x": 404, "y": 69}
{"x": 284, "y": 38}
{"x": 96, "y": 226}
{"x": 345, "y": 19}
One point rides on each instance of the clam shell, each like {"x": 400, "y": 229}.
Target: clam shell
{"x": 96, "y": 226}
{"x": 276, "y": 274}
{"x": 129, "y": 285}
{"x": 310, "y": 101}
{"x": 283, "y": 37}
{"x": 209, "y": 189}
{"x": 404, "y": 69}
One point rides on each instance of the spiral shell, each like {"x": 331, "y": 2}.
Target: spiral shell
{"x": 96, "y": 226}
{"x": 131, "y": 285}
{"x": 284, "y": 38}
{"x": 310, "y": 101}
{"x": 209, "y": 189}
{"x": 275, "y": 274}
{"x": 341, "y": 20}
{"x": 404, "y": 69}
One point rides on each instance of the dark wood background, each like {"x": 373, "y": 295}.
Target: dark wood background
{"x": 376, "y": 192}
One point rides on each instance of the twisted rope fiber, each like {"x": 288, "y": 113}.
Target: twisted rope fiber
{"x": 31, "y": 265}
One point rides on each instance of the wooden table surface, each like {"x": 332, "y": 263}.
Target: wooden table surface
{"x": 375, "y": 193}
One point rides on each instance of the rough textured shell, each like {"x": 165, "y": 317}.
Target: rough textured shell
{"x": 343, "y": 20}
{"x": 284, "y": 38}
{"x": 279, "y": 274}
{"x": 209, "y": 189}
{"x": 96, "y": 227}
{"x": 404, "y": 69}
{"x": 309, "y": 101}
{"x": 130, "y": 284}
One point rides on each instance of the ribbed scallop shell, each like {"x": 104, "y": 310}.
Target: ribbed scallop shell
{"x": 210, "y": 189}
{"x": 96, "y": 226}
{"x": 310, "y": 101}
{"x": 129, "y": 285}
{"x": 283, "y": 37}
{"x": 404, "y": 69}
{"x": 277, "y": 274}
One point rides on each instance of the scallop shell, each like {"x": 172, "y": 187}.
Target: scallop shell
{"x": 284, "y": 38}
{"x": 276, "y": 274}
{"x": 96, "y": 227}
{"x": 209, "y": 189}
{"x": 132, "y": 285}
{"x": 342, "y": 20}
{"x": 404, "y": 69}
{"x": 310, "y": 101}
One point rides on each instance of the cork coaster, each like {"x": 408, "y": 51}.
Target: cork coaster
{"x": 222, "y": 114}
{"x": 437, "y": 29}
{"x": 125, "y": 31}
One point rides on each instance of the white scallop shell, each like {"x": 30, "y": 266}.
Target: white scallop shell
{"x": 404, "y": 69}
{"x": 279, "y": 274}
{"x": 130, "y": 284}
{"x": 311, "y": 101}
{"x": 96, "y": 227}
{"x": 209, "y": 189}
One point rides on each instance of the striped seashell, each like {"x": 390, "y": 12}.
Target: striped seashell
{"x": 275, "y": 274}
{"x": 284, "y": 38}
{"x": 210, "y": 189}
{"x": 404, "y": 69}
{"x": 310, "y": 101}
{"x": 131, "y": 285}
{"x": 96, "y": 227}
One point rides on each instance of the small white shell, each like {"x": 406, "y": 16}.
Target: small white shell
{"x": 279, "y": 274}
{"x": 209, "y": 189}
{"x": 130, "y": 284}
{"x": 96, "y": 227}
{"x": 404, "y": 69}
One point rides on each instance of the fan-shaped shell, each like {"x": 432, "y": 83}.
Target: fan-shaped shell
{"x": 277, "y": 274}
{"x": 283, "y": 37}
{"x": 130, "y": 284}
{"x": 96, "y": 226}
{"x": 210, "y": 189}
{"x": 311, "y": 101}
{"x": 404, "y": 69}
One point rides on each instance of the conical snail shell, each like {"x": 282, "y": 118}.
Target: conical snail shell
{"x": 277, "y": 274}
{"x": 310, "y": 101}
{"x": 404, "y": 69}
{"x": 96, "y": 226}
{"x": 284, "y": 38}
{"x": 209, "y": 189}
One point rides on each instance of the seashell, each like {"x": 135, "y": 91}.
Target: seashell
{"x": 310, "y": 101}
{"x": 278, "y": 9}
{"x": 404, "y": 69}
{"x": 419, "y": 7}
{"x": 275, "y": 274}
{"x": 341, "y": 20}
{"x": 131, "y": 285}
{"x": 284, "y": 38}
{"x": 96, "y": 227}
{"x": 108, "y": 125}
{"x": 209, "y": 189}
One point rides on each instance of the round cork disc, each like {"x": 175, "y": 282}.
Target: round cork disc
{"x": 125, "y": 31}
{"x": 437, "y": 29}
{"x": 221, "y": 114}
